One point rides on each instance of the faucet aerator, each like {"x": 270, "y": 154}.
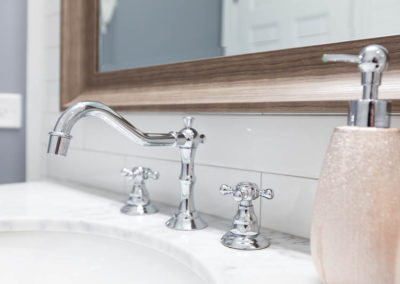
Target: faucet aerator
{"x": 58, "y": 143}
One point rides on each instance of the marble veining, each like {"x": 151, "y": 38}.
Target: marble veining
{"x": 52, "y": 206}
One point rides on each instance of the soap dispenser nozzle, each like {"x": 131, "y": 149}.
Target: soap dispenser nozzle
{"x": 369, "y": 111}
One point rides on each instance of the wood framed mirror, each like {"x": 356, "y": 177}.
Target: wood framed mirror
{"x": 288, "y": 80}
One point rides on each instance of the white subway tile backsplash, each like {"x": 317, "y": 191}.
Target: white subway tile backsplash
{"x": 48, "y": 121}
{"x": 52, "y": 63}
{"x": 90, "y": 168}
{"x": 53, "y": 30}
{"x": 52, "y": 96}
{"x": 42, "y": 161}
{"x": 101, "y": 137}
{"x": 53, "y": 7}
{"x": 291, "y": 209}
{"x": 292, "y": 145}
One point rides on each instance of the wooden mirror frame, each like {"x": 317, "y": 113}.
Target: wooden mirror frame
{"x": 290, "y": 80}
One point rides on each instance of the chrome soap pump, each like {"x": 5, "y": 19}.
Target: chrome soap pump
{"x": 368, "y": 111}
{"x": 355, "y": 230}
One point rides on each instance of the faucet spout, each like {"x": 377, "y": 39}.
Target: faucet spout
{"x": 60, "y": 137}
{"x": 187, "y": 140}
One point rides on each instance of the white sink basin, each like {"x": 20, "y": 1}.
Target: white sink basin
{"x": 54, "y": 233}
{"x": 64, "y": 257}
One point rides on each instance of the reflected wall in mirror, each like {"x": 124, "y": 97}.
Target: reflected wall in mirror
{"x": 135, "y": 33}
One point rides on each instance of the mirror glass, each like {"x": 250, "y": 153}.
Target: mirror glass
{"x": 140, "y": 33}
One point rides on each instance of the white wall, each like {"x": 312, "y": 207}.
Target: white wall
{"x": 283, "y": 152}
{"x": 12, "y": 80}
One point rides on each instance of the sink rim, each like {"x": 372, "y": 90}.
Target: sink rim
{"x": 138, "y": 237}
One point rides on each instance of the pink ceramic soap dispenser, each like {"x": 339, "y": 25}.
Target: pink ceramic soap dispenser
{"x": 356, "y": 221}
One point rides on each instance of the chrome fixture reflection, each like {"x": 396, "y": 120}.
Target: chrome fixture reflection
{"x": 245, "y": 232}
{"x": 139, "y": 202}
{"x": 187, "y": 140}
{"x": 186, "y": 217}
{"x": 368, "y": 111}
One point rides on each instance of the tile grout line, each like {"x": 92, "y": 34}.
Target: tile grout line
{"x": 84, "y": 148}
{"x": 260, "y": 207}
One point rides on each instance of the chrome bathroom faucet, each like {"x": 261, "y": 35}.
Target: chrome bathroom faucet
{"x": 245, "y": 232}
{"x": 139, "y": 202}
{"x": 187, "y": 140}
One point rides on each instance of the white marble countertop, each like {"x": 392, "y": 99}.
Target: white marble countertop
{"x": 51, "y": 206}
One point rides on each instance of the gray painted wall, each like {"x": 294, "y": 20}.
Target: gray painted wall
{"x": 152, "y": 32}
{"x": 13, "y": 17}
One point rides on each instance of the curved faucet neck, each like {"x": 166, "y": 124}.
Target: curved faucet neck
{"x": 61, "y": 135}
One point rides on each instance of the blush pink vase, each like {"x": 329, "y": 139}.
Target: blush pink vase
{"x": 356, "y": 220}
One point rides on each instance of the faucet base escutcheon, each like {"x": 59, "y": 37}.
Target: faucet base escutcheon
{"x": 129, "y": 209}
{"x": 186, "y": 221}
{"x": 244, "y": 242}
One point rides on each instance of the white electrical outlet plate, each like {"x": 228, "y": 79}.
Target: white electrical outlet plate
{"x": 10, "y": 110}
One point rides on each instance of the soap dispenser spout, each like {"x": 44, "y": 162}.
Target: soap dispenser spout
{"x": 369, "y": 111}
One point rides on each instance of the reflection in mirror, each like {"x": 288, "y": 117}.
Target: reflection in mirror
{"x": 136, "y": 33}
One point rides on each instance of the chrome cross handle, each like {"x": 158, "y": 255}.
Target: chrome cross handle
{"x": 139, "y": 173}
{"x": 245, "y": 231}
{"x": 139, "y": 202}
{"x": 246, "y": 191}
